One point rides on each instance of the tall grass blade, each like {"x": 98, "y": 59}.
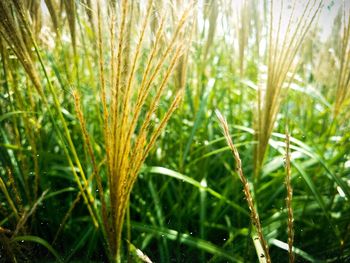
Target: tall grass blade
{"x": 289, "y": 201}
{"x": 187, "y": 240}
{"x": 40, "y": 241}
{"x": 246, "y": 189}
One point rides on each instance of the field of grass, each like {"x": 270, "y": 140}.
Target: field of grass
{"x": 174, "y": 131}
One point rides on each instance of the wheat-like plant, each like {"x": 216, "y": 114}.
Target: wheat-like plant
{"x": 132, "y": 86}
{"x": 285, "y": 38}
{"x": 242, "y": 27}
{"x": 343, "y": 86}
{"x": 265, "y": 256}
{"x": 131, "y": 123}
{"x": 15, "y": 28}
{"x": 211, "y": 12}
{"x": 10, "y": 30}
{"x": 52, "y": 7}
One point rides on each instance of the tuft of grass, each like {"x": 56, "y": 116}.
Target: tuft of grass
{"x": 212, "y": 11}
{"x": 10, "y": 29}
{"x": 242, "y": 27}
{"x": 284, "y": 41}
{"x": 343, "y": 86}
{"x": 130, "y": 130}
{"x": 52, "y": 7}
{"x": 71, "y": 17}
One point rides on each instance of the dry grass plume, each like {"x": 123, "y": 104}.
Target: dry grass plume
{"x": 285, "y": 39}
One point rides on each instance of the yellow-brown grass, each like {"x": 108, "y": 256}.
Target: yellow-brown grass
{"x": 343, "y": 86}
{"x": 242, "y": 26}
{"x": 71, "y": 14}
{"x": 212, "y": 11}
{"x": 16, "y": 30}
{"x": 11, "y": 32}
{"x": 128, "y": 117}
{"x": 285, "y": 39}
{"x": 51, "y": 6}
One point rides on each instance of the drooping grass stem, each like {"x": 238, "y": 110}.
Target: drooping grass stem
{"x": 246, "y": 189}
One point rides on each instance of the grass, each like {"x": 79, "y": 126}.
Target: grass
{"x": 261, "y": 245}
{"x": 284, "y": 41}
{"x": 125, "y": 147}
{"x": 111, "y": 150}
{"x": 342, "y": 93}
{"x": 289, "y": 200}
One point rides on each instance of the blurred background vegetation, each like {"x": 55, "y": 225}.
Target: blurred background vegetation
{"x": 268, "y": 66}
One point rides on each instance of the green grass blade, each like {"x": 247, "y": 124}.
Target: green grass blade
{"x": 297, "y": 251}
{"x": 80, "y": 242}
{"x": 220, "y": 150}
{"x": 310, "y": 152}
{"x": 159, "y": 213}
{"x": 187, "y": 240}
{"x": 40, "y": 241}
{"x": 312, "y": 188}
{"x": 13, "y": 113}
{"x": 203, "y": 213}
{"x": 186, "y": 179}
{"x": 198, "y": 118}
{"x": 62, "y": 191}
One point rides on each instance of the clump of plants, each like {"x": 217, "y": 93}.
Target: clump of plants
{"x": 110, "y": 148}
